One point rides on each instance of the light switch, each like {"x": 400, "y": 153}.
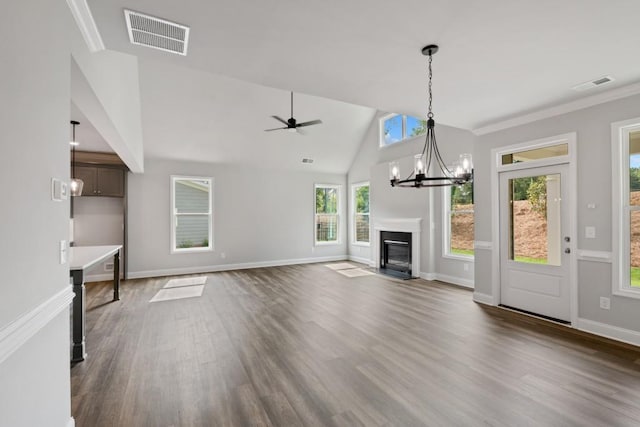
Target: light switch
{"x": 590, "y": 232}
{"x": 59, "y": 190}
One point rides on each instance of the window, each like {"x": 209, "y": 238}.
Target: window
{"x": 397, "y": 127}
{"x": 327, "y": 218}
{"x": 626, "y": 208}
{"x": 191, "y": 214}
{"x": 459, "y": 232}
{"x": 360, "y": 203}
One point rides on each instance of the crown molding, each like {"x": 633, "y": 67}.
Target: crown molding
{"x": 579, "y": 104}
{"x": 87, "y": 26}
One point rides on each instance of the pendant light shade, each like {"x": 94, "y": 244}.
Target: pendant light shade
{"x": 76, "y": 184}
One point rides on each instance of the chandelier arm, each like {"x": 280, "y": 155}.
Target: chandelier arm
{"x": 443, "y": 167}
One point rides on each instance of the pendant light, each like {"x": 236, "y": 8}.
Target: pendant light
{"x": 76, "y": 183}
{"x": 460, "y": 173}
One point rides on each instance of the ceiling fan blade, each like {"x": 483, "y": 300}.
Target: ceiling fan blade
{"x": 280, "y": 120}
{"x": 269, "y": 130}
{"x": 310, "y": 123}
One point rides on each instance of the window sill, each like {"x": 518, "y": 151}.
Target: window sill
{"x": 627, "y": 293}
{"x": 466, "y": 258}
{"x": 363, "y": 244}
{"x": 191, "y": 250}
{"x": 328, "y": 243}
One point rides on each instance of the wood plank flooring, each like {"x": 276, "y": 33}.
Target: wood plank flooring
{"x": 304, "y": 345}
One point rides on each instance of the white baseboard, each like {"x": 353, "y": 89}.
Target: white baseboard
{"x": 428, "y": 276}
{"x": 15, "y": 334}
{"x": 71, "y": 423}
{"x": 483, "y": 298}
{"x": 98, "y": 277}
{"x": 361, "y": 260}
{"x": 226, "y": 267}
{"x": 608, "y": 331}
{"x": 466, "y": 283}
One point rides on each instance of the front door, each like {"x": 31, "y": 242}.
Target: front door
{"x": 534, "y": 241}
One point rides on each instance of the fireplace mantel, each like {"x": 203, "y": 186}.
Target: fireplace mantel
{"x": 406, "y": 225}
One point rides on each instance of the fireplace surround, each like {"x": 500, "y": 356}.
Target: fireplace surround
{"x": 398, "y": 225}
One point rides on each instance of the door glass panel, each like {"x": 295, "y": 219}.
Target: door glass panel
{"x": 634, "y": 168}
{"x": 635, "y": 249}
{"x": 535, "y": 231}
{"x": 536, "y": 154}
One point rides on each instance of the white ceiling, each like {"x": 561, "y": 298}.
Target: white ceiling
{"x": 498, "y": 59}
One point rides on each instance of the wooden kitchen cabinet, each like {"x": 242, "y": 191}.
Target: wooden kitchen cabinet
{"x": 101, "y": 181}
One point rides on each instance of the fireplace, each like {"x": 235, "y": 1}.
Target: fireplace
{"x": 399, "y": 229}
{"x": 395, "y": 253}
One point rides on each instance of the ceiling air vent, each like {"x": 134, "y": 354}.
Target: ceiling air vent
{"x": 593, "y": 83}
{"x": 157, "y": 33}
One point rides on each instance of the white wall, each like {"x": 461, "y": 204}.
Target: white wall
{"x": 593, "y": 127}
{"x": 371, "y": 164}
{"x": 98, "y": 221}
{"x": 260, "y": 217}
{"x": 105, "y": 87}
{"x": 34, "y": 147}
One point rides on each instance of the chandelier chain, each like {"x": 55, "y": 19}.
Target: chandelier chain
{"x": 430, "y": 113}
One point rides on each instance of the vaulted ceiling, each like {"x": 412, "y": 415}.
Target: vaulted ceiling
{"x": 347, "y": 59}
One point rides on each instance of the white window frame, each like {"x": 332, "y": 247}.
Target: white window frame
{"x": 446, "y": 231}
{"x": 174, "y": 215}
{"x": 338, "y": 241}
{"x": 404, "y": 130}
{"x": 354, "y": 187}
{"x": 621, "y": 208}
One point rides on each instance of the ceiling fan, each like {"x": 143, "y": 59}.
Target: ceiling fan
{"x": 291, "y": 124}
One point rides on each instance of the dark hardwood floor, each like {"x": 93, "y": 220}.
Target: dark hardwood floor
{"x": 304, "y": 345}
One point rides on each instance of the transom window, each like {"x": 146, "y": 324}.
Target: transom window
{"x": 397, "y": 127}
{"x": 360, "y": 203}
{"x": 626, "y": 207}
{"x": 459, "y": 223}
{"x": 191, "y": 214}
{"x": 327, "y": 214}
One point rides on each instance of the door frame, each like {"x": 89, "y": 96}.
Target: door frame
{"x": 572, "y": 206}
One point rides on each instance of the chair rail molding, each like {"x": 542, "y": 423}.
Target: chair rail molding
{"x": 15, "y": 334}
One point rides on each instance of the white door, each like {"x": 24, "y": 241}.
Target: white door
{"x": 534, "y": 241}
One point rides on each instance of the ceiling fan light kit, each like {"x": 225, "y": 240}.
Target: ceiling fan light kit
{"x": 292, "y": 125}
{"x": 459, "y": 173}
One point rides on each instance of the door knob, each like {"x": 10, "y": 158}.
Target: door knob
{"x": 567, "y": 251}
{"x": 567, "y": 239}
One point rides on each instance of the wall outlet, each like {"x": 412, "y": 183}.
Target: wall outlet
{"x": 108, "y": 266}
{"x": 466, "y": 267}
{"x": 605, "y": 303}
{"x": 590, "y": 232}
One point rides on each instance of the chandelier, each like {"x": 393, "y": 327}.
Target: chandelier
{"x": 424, "y": 175}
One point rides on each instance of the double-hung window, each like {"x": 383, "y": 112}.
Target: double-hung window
{"x": 397, "y": 127}
{"x": 191, "y": 214}
{"x": 360, "y": 203}
{"x": 459, "y": 220}
{"x": 327, "y": 214}
{"x": 626, "y": 208}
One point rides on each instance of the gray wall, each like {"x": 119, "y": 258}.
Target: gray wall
{"x": 593, "y": 127}
{"x": 371, "y": 164}
{"x": 34, "y": 147}
{"x": 260, "y": 216}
